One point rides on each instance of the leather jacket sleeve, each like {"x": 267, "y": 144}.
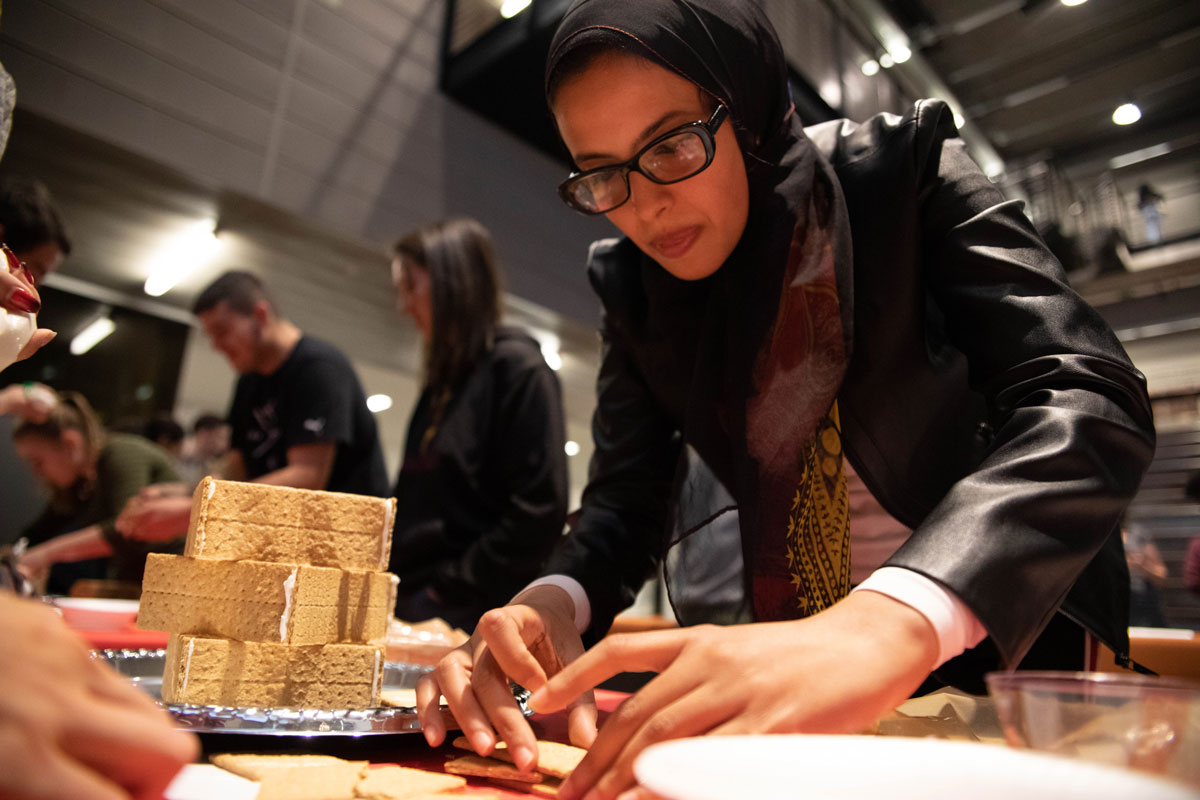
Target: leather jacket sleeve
{"x": 1072, "y": 425}
{"x": 616, "y": 543}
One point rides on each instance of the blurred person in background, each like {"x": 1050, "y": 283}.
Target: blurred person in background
{"x": 1148, "y": 205}
{"x": 31, "y": 226}
{"x": 482, "y": 491}
{"x": 204, "y": 451}
{"x": 69, "y": 725}
{"x": 90, "y": 475}
{"x": 299, "y": 416}
{"x": 1191, "y": 559}
{"x": 166, "y": 432}
{"x": 1147, "y": 574}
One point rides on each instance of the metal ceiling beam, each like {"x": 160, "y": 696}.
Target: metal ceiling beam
{"x": 923, "y": 78}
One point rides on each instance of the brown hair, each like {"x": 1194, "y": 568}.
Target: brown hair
{"x": 72, "y": 412}
{"x": 465, "y": 290}
{"x": 241, "y": 290}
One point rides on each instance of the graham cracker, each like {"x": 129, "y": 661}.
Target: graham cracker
{"x": 554, "y": 758}
{"x": 211, "y": 671}
{"x": 490, "y": 768}
{"x": 402, "y": 783}
{"x": 258, "y": 601}
{"x": 286, "y": 777}
{"x": 236, "y": 521}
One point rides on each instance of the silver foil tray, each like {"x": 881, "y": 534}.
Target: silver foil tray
{"x": 145, "y": 669}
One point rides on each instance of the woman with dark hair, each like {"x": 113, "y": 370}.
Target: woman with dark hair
{"x": 482, "y": 491}
{"x": 783, "y": 301}
{"x": 90, "y": 475}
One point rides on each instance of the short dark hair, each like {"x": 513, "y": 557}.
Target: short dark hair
{"x": 240, "y": 289}
{"x": 208, "y": 422}
{"x": 163, "y": 428}
{"x": 29, "y": 216}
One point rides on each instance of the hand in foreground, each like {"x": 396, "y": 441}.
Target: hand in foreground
{"x": 835, "y": 672}
{"x": 18, "y": 294}
{"x": 155, "y": 519}
{"x": 70, "y": 726}
{"x": 528, "y": 640}
{"x": 31, "y": 402}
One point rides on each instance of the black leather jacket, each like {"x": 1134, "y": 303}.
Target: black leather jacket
{"x": 985, "y": 404}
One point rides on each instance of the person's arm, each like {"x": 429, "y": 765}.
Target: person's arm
{"x": 526, "y": 457}
{"x": 233, "y": 467}
{"x": 308, "y": 467}
{"x": 69, "y": 725}
{"x": 78, "y": 545}
{"x": 1072, "y": 426}
{"x": 1191, "y": 566}
{"x": 616, "y": 542}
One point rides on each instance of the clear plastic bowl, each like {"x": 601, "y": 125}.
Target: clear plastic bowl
{"x": 1137, "y": 721}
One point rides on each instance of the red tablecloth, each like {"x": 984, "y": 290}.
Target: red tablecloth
{"x": 130, "y": 637}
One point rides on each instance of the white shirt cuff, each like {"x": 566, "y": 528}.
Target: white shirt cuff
{"x": 956, "y": 627}
{"x": 583, "y": 608}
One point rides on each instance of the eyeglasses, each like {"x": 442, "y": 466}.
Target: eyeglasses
{"x": 675, "y": 156}
{"x": 16, "y": 266}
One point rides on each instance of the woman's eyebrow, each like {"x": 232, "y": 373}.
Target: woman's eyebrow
{"x": 646, "y": 133}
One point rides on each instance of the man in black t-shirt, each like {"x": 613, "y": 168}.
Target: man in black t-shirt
{"x": 299, "y": 416}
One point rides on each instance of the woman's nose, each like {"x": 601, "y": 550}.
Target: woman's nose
{"x": 649, "y": 199}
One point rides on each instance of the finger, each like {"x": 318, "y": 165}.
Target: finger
{"x": 692, "y": 715}
{"x": 429, "y": 710}
{"x": 639, "y": 652}
{"x": 131, "y": 747}
{"x": 624, "y": 724}
{"x": 581, "y": 720}
{"x": 112, "y": 687}
{"x": 510, "y": 643}
{"x": 56, "y": 775}
{"x": 41, "y": 337}
{"x": 455, "y": 681}
{"x": 639, "y": 793}
{"x": 495, "y": 694}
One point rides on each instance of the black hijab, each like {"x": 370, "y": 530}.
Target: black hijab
{"x": 769, "y": 335}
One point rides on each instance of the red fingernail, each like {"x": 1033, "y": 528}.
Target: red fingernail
{"x": 23, "y": 301}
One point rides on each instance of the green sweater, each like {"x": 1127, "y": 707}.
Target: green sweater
{"x": 126, "y": 464}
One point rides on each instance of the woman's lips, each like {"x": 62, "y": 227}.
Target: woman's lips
{"x": 676, "y": 243}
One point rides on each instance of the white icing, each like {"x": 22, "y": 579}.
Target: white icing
{"x": 383, "y": 540}
{"x": 212, "y": 489}
{"x": 203, "y": 524}
{"x": 375, "y": 679}
{"x": 289, "y": 591}
{"x": 187, "y": 668}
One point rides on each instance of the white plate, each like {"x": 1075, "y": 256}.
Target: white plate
{"x": 97, "y": 613}
{"x": 873, "y": 767}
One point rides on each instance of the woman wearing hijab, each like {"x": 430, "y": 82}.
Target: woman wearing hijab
{"x": 482, "y": 493}
{"x": 783, "y": 301}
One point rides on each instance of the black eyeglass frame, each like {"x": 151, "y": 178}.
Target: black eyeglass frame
{"x": 707, "y": 131}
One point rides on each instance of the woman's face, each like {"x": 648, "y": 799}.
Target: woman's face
{"x": 414, "y": 294}
{"x": 618, "y": 104}
{"x": 57, "y": 463}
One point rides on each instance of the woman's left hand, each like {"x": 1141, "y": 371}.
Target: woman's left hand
{"x": 35, "y": 562}
{"x": 835, "y": 672}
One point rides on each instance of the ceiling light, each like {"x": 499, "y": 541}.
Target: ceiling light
{"x": 180, "y": 255}
{"x": 870, "y": 67}
{"x": 571, "y": 448}
{"x": 1126, "y": 114}
{"x": 510, "y": 8}
{"x": 1073, "y": 2}
{"x": 92, "y": 334}
{"x": 900, "y": 53}
{"x": 886, "y": 61}
{"x": 378, "y": 402}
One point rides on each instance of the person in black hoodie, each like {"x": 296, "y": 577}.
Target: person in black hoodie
{"x": 482, "y": 491}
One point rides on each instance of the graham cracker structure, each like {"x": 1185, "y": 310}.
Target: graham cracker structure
{"x": 279, "y": 599}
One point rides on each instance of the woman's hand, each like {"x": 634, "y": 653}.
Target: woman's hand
{"x": 18, "y": 294}
{"x": 35, "y": 562}
{"x": 527, "y": 641}
{"x": 31, "y": 402}
{"x": 71, "y": 727}
{"x": 835, "y": 672}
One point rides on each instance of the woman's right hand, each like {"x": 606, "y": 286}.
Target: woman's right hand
{"x": 527, "y": 641}
{"x": 18, "y": 294}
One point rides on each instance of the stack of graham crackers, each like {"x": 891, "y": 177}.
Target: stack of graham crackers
{"x": 280, "y": 598}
